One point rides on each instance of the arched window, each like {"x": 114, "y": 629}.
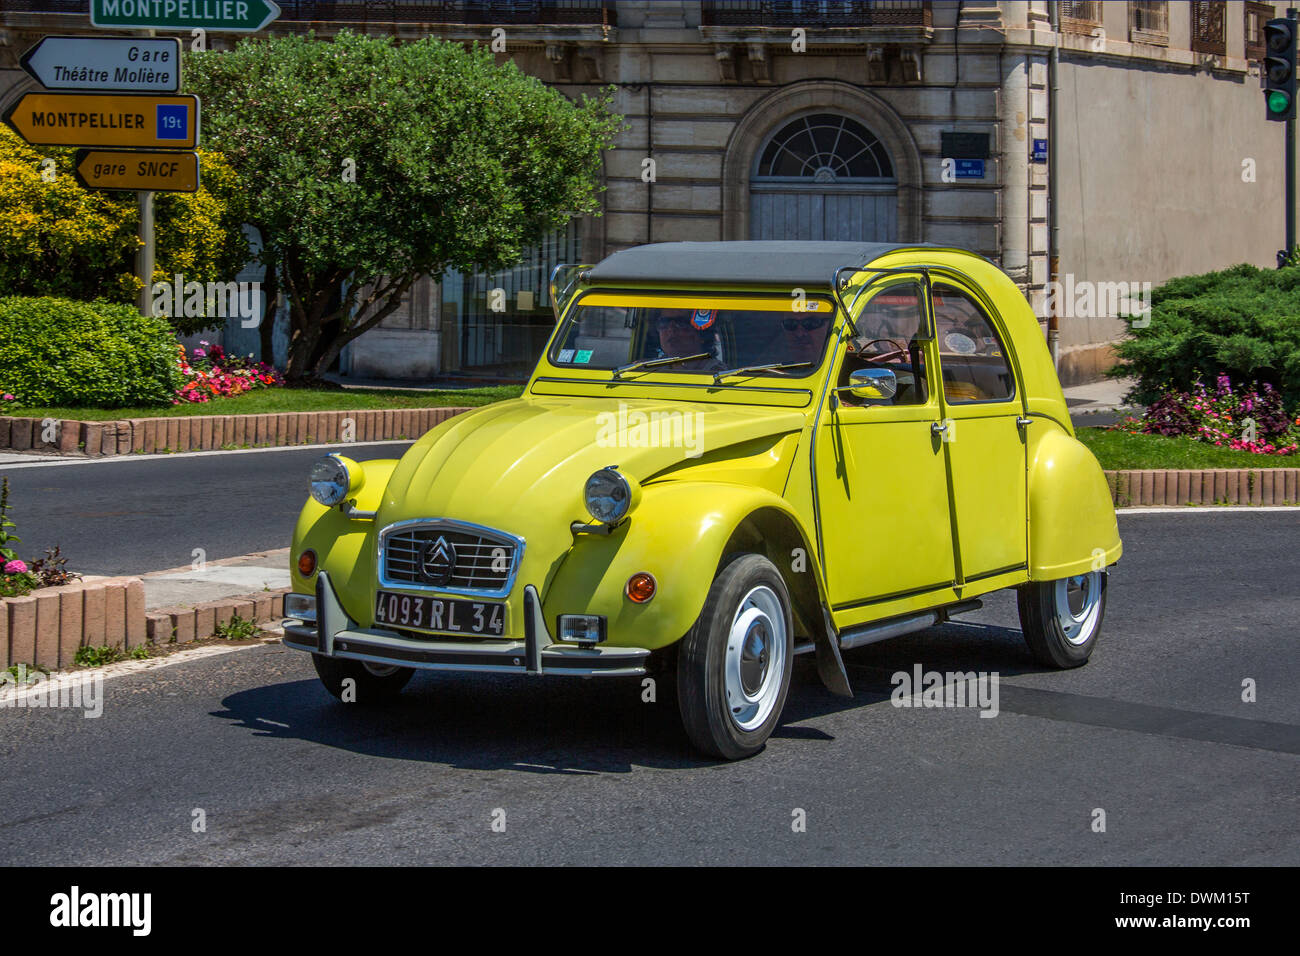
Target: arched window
{"x": 823, "y": 176}
{"x": 825, "y": 148}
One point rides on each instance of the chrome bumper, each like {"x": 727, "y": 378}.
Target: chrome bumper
{"x": 334, "y": 634}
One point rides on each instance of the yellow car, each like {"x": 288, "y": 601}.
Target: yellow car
{"x": 730, "y": 454}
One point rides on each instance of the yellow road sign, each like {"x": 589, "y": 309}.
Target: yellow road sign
{"x": 122, "y": 169}
{"x": 106, "y": 119}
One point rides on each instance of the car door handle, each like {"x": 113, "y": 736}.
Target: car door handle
{"x": 1023, "y": 422}
{"x": 938, "y": 428}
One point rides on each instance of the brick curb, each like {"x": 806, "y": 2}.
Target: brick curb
{"x": 46, "y": 627}
{"x": 213, "y": 432}
{"x": 1211, "y": 486}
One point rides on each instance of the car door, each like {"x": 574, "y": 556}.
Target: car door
{"x": 881, "y": 481}
{"x": 983, "y": 438}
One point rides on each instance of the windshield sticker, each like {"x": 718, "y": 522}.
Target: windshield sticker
{"x": 566, "y": 356}
{"x": 961, "y": 343}
{"x": 583, "y": 357}
{"x": 704, "y": 318}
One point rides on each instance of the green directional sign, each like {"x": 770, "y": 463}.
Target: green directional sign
{"x": 228, "y": 16}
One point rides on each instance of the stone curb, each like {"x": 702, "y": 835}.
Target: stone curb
{"x": 1211, "y": 486}
{"x": 213, "y": 432}
{"x": 46, "y": 627}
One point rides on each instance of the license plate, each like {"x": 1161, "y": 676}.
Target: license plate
{"x": 442, "y": 615}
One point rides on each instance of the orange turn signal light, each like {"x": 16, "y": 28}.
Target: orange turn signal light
{"x": 641, "y": 587}
{"x": 307, "y": 563}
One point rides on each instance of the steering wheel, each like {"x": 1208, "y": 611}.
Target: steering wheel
{"x": 897, "y": 352}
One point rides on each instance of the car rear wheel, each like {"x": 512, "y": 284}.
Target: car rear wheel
{"x": 734, "y": 665}
{"x": 372, "y": 683}
{"x": 1061, "y": 619}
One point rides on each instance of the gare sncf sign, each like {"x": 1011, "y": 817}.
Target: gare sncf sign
{"x": 230, "y": 16}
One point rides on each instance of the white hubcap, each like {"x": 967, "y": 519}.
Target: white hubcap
{"x": 1078, "y": 605}
{"x": 755, "y": 658}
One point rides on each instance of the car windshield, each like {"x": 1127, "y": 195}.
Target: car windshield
{"x": 710, "y": 334}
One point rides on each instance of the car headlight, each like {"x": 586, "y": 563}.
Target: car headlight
{"x": 610, "y": 495}
{"x": 333, "y": 478}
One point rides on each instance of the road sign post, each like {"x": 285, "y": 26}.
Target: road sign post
{"x": 100, "y": 64}
{"x": 138, "y": 120}
{"x": 222, "y": 16}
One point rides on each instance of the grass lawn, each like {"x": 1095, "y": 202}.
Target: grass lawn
{"x": 281, "y": 400}
{"x": 1120, "y": 451}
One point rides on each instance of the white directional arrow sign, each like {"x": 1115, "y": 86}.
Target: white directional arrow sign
{"x": 103, "y": 64}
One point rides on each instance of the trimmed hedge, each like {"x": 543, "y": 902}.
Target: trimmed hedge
{"x": 1243, "y": 322}
{"x": 91, "y": 354}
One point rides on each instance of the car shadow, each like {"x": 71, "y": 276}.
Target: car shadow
{"x": 574, "y": 726}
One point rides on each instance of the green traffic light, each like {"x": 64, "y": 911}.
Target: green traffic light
{"x": 1278, "y": 102}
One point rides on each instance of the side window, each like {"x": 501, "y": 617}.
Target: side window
{"x": 890, "y": 327}
{"x": 971, "y": 356}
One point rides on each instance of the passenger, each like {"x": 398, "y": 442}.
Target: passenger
{"x": 678, "y": 335}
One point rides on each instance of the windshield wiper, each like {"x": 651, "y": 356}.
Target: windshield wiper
{"x": 651, "y": 363}
{"x": 717, "y": 376}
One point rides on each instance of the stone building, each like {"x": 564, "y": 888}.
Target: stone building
{"x": 843, "y": 119}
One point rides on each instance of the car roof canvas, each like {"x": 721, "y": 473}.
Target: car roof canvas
{"x": 768, "y": 262}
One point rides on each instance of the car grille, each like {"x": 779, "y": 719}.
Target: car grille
{"x": 485, "y": 560}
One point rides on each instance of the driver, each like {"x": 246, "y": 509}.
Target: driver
{"x": 804, "y": 337}
{"x": 679, "y": 336}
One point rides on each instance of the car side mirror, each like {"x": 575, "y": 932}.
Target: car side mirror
{"x": 873, "y": 383}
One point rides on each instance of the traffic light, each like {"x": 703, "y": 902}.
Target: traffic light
{"x": 1279, "y": 69}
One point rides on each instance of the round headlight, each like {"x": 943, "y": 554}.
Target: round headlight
{"x": 610, "y": 495}
{"x": 332, "y": 477}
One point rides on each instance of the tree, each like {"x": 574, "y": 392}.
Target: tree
{"x": 59, "y": 239}
{"x": 367, "y": 164}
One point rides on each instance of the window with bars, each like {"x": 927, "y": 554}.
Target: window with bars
{"x": 815, "y": 13}
{"x": 1210, "y": 27}
{"x": 1080, "y": 16}
{"x": 1257, "y": 14}
{"x": 1148, "y": 22}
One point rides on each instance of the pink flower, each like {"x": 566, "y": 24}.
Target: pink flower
{"x": 15, "y": 567}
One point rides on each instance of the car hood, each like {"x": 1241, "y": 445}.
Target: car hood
{"x": 521, "y": 462}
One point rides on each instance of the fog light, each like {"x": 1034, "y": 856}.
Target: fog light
{"x": 641, "y": 587}
{"x": 307, "y": 563}
{"x": 582, "y": 628}
{"x": 301, "y": 606}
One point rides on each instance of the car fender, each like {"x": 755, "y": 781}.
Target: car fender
{"x": 1072, "y": 525}
{"x": 678, "y": 533}
{"x": 344, "y": 546}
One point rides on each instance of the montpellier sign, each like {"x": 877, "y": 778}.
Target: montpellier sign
{"x": 230, "y": 16}
{"x": 126, "y": 64}
{"x": 98, "y": 119}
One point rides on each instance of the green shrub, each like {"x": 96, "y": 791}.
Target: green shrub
{"x": 93, "y": 354}
{"x": 1242, "y": 322}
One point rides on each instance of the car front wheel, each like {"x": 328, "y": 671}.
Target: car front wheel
{"x": 1061, "y": 619}
{"x": 370, "y": 683}
{"x": 734, "y": 665}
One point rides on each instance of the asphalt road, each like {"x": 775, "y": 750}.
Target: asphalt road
{"x": 1153, "y": 732}
{"x": 131, "y": 515}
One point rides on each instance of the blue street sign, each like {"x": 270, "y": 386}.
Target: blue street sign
{"x": 173, "y": 121}
{"x": 968, "y": 168}
{"x": 1039, "y": 152}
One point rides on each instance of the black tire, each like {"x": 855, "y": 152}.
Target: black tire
{"x": 370, "y": 688}
{"x": 702, "y": 694}
{"x": 1041, "y": 622}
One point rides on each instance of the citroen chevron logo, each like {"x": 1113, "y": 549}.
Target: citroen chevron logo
{"x": 438, "y": 562}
